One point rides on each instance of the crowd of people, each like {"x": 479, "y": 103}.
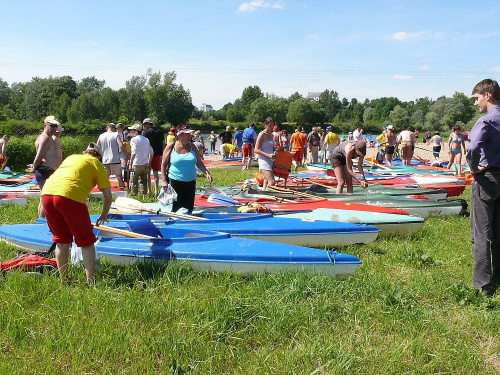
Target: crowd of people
{"x": 142, "y": 149}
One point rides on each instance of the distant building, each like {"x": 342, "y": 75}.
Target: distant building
{"x": 206, "y": 108}
{"x": 313, "y": 96}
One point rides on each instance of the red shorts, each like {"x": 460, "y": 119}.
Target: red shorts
{"x": 298, "y": 155}
{"x": 1, "y": 159}
{"x": 67, "y": 218}
{"x": 247, "y": 150}
{"x": 156, "y": 163}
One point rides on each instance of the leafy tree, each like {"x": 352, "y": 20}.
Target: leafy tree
{"x": 132, "y": 100}
{"x": 234, "y": 115}
{"x": 303, "y": 111}
{"x": 108, "y": 105}
{"x": 82, "y": 109}
{"x": 368, "y": 115}
{"x": 432, "y": 121}
{"x": 59, "y": 107}
{"x": 90, "y": 84}
{"x": 399, "y": 117}
{"x": 180, "y": 106}
{"x": 249, "y": 95}
{"x": 417, "y": 118}
{"x": 330, "y": 102}
{"x": 5, "y": 93}
{"x": 294, "y": 97}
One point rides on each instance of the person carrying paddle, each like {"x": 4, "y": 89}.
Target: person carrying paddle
{"x": 178, "y": 168}
{"x": 484, "y": 161}
{"x": 342, "y": 163}
{"x": 64, "y": 197}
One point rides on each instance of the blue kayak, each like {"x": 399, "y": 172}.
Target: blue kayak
{"x": 203, "y": 250}
{"x": 265, "y": 227}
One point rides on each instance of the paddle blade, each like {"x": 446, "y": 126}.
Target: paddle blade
{"x": 211, "y": 190}
{"x": 130, "y": 203}
{"x": 221, "y": 200}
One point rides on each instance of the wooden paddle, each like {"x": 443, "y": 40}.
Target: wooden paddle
{"x": 311, "y": 181}
{"x": 136, "y": 206}
{"x": 290, "y": 191}
{"x": 121, "y": 232}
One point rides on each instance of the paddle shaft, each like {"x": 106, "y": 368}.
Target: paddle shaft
{"x": 298, "y": 193}
{"x": 121, "y": 232}
{"x": 171, "y": 214}
{"x": 312, "y": 182}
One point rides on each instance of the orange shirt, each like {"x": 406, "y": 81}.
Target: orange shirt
{"x": 298, "y": 141}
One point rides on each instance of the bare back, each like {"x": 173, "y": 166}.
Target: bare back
{"x": 49, "y": 150}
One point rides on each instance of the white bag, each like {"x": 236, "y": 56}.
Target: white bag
{"x": 167, "y": 196}
{"x": 77, "y": 257}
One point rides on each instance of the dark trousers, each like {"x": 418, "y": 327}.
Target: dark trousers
{"x": 185, "y": 194}
{"x": 485, "y": 228}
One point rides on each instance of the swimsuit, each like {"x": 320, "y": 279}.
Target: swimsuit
{"x": 458, "y": 140}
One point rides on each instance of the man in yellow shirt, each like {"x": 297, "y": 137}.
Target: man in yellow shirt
{"x": 228, "y": 150}
{"x": 64, "y": 198}
{"x": 330, "y": 141}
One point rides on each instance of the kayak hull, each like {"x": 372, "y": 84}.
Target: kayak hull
{"x": 200, "y": 249}
{"x": 387, "y": 224}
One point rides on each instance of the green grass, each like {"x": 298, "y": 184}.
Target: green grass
{"x": 408, "y": 309}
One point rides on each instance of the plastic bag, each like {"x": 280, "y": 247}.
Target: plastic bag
{"x": 167, "y": 196}
{"x": 77, "y": 257}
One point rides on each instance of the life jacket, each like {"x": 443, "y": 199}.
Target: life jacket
{"x": 282, "y": 164}
{"x": 29, "y": 262}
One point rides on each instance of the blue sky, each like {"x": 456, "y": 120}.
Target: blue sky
{"x": 362, "y": 49}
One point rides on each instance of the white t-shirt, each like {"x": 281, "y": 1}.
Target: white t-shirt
{"x": 357, "y": 135}
{"x": 437, "y": 140}
{"x": 110, "y": 148}
{"x": 139, "y": 145}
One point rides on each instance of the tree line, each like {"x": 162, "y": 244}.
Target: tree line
{"x": 160, "y": 97}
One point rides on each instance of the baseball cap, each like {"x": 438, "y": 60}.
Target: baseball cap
{"x": 60, "y": 129}
{"x": 172, "y": 129}
{"x": 95, "y": 147}
{"x": 390, "y": 127}
{"x": 137, "y": 127}
{"x": 328, "y": 128}
{"x": 119, "y": 125}
{"x": 147, "y": 120}
{"x": 51, "y": 120}
{"x": 111, "y": 125}
{"x": 276, "y": 128}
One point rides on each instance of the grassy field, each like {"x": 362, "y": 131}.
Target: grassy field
{"x": 408, "y": 309}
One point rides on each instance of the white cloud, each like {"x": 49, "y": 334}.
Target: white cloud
{"x": 495, "y": 69}
{"x": 401, "y": 77}
{"x": 87, "y": 43}
{"x": 424, "y": 67}
{"x": 401, "y": 35}
{"x": 278, "y": 5}
{"x": 253, "y": 5}
{"x": 313, "y": 36}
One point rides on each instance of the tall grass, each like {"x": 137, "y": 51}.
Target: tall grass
{"x": 408, "y": 309}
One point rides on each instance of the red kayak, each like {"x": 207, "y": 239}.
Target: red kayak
{"x": 451, "y": 190}
{"x": 305, "y": 205}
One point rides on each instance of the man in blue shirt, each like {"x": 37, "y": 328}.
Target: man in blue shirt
{"x": 248, "y": 137}
{"x": 484, "y": 162}
{"x": 238, "y": 138}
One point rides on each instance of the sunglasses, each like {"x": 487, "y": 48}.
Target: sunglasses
{"x": 53, "y": 126}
